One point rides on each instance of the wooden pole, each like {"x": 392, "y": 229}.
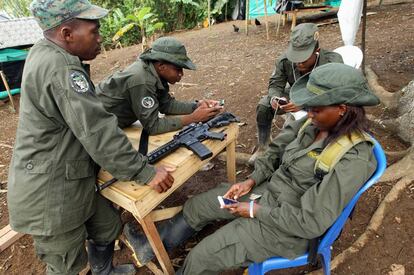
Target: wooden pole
{"x": 267, "y": 23}
{"x": 279, "y": 18}
{"x": 247, "y": 17}
{"x": 209, "y": 14}
{"x": 6, "y": 85}
{"x": 364, "y": 27}
{"x": 225, "y": 12}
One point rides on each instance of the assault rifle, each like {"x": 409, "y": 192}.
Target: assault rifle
{"x": 191, "y": 137}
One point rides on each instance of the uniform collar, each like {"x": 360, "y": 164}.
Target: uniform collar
{"x": 72, "y": 59}
{"x": 161, "y": 84}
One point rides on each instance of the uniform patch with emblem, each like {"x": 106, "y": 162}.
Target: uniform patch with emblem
{"x": 79, "y": 82}
{"x": 147, "y": 102}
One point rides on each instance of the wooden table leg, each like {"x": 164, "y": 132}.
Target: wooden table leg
{"x": 295, "y": 13}
{"x": 231, "y": 162}
{"x": 154, "y": 239}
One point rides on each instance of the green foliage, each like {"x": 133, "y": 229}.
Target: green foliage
{"x": 144, "y": 19}
{"x": 173, "y": 14}
{"x": 16, "y": 8}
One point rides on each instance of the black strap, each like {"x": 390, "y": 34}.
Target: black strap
{"x": 143, "y": 142}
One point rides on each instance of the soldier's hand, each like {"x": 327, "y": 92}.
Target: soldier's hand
{"x": 207, "y": 103}
{"x": 290, "y": 107}
{"x": 274, "y": 104}
{"x": 240, "y": 189}
{"x": 202, "y": 114}
{"x": 163, "y": 180}
{"x": 242, "y": 209}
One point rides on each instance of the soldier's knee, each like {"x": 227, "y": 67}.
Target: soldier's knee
{"x": 264, "y": 114}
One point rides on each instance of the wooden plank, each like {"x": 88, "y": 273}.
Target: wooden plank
{"x": 9, "y": 238}
{"x": 267, "y": 23}
{"x": 154, "y": 239}
{"x": 163, "y": 214}
{"x": 5, "y": 230}
{"x": 295, "y": 14}
{"x": 187, "y": 165}
{"x": 148, "y": 199}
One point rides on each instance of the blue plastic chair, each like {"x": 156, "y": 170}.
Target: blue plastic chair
{"x": 324, "y": 247}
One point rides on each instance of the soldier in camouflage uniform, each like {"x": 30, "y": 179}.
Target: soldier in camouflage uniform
{"x": 141, "y": 91}
{"x": 296, "y": 205}
{"x": 302, "y": 56}
{"x": 63, "y": 138}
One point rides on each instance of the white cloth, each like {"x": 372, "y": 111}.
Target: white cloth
{"x": 349, "y": 16}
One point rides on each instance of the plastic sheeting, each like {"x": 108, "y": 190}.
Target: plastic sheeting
{"x": 349, "y": 17}
{"x": 11, "y": 63}
{"x": 256, "y": 8}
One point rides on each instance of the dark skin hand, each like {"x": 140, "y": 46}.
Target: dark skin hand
{"x": 236, "y": 191}
{"x": 163, "y": 179}
{"x": 242, "y": 209}
{"x": 290, "y": 107}
{"x": 201, "y": 114}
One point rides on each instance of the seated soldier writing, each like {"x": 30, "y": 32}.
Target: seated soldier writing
{"x": 141, "y": 91}
{"x": 297, "y": 203}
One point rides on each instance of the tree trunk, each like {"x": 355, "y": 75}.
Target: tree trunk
{"x": 406, "y": 111}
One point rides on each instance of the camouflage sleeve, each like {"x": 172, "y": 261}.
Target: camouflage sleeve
{"x": 170, "y": 106}
{"x": 146, "y": 107}
{"x": 322, "y": 203}
{"x": 267, "y": 164}
{"x": 278, "y": 80}
{"x": 97, "y": 129}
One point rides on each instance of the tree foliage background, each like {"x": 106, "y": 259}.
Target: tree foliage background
{"x": 173, "y": 14}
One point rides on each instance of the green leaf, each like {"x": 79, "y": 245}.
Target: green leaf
{"x": 122, "y": 31}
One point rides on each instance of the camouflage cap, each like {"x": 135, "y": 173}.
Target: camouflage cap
{"x": 302, "y": 42}
{"x": 333, "y": 84}
{"x": 52, "y": 13}
{"x": 170, "y": 50}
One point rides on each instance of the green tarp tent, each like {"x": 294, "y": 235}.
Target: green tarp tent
{"x": 11, "y": 63}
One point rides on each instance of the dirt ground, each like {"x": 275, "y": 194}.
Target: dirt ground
{"x": 236, "y": 67}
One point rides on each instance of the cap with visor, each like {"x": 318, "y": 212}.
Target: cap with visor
{"x": 52, "y": 13}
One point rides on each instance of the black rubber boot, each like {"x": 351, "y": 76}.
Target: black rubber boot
{"x": 100, "y": 260}
{"x": 263, "y": 132}
{"x": 172, "y": 232}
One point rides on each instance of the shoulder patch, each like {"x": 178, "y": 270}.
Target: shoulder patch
{"x": 79, "y": 82}
{"x": 147, "y": 102}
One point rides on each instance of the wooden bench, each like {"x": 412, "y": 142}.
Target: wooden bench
{"x": 295, "y": 12}
{"x": 142, "y": 201}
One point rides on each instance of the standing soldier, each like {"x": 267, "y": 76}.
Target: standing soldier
{"x": 141, "y": 91}
{"x": 302, "y": 56}
{"x": 64, "y": 136}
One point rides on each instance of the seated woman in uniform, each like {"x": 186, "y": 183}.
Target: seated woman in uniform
{"x": 299, "y": 201}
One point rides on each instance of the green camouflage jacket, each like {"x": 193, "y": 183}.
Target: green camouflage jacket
{"x": 297, "y": 206}
{"x": 64, "y": 135}
{"x": 137, "y": 93}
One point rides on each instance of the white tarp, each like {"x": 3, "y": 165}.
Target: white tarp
{"x": 349, "y": 17}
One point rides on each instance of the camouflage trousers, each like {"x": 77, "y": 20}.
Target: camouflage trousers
{"x": 226, "y": 248}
